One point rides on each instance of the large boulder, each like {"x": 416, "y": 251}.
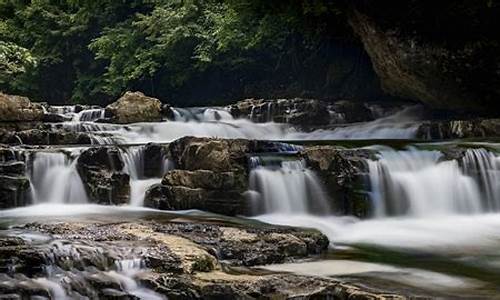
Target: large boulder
{"x": 134, "y": 107}
{"x": 19, "y": 109}
{"x": 211, "y": 174}
{"x": 14, "y": 185}
{"x": 101, "y": 170}
{"x": 454, "y": 67}
{"x": 219, "y": 192}
{"x": 344, "y": 173}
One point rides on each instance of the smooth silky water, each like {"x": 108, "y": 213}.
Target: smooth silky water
{"x": 435, "y": 222}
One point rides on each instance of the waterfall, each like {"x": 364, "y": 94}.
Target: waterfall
{"x": 421, "y": 183}
{"x": 134, "y": 164}
{"x": 55, "y": 179}
{"x": 90, "y": 115}
{"x": 286, "y": 187}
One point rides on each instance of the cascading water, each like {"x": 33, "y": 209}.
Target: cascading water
{"x": 90, "y": 115}
{"x": 421, "y": 183}
{"x": 286, "y": 186}
{"x": 133, "y": 158}
{"x": 54, "y": 179}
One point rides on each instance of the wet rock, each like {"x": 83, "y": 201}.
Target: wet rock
{"x": 55, "y": 118}
{"x": 227, "y": 202}
{"x": 344, "y": 172}
{"x": 154, "y": 158}
{"x": 167, "y": 112}
{"x": 51, "y": 137}
{"x": 134, "y": 107}
{"x": 294, "y": 111}
{"x": 14, "y": 185}
{"x": 454, "y": 129}
{"x": 211, "y": 174}
{"x": 102, "y": 175}
{"x": 19, "y": 109}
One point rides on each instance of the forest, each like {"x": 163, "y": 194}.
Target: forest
{"x": 196, "y": 52}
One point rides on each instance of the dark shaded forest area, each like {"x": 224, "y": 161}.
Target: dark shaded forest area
{"x": 203, "y": 52}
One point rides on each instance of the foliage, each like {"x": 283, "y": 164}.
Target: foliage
{"x": 92, "y": 51}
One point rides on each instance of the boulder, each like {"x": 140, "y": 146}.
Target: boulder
{"x": 134, "y": 107}
{"x": 447, "y": 73}
{"x": 211, "y": 174}
{"x": 101, "y": 170}
{"x": 19, "y": 109}
{"x": 219, "y": 192}
{"x": 344, "y": 172}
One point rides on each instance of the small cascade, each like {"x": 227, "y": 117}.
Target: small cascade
{"x": 90, "y": 115}
{"x": 134, "y": 165}
{"x": 285, "y": 186}
{"x": 484, "y": 167}
{"x": 420, "y": 183}
{"x": 84, "y": 271}
{"x": 54, "y": 179}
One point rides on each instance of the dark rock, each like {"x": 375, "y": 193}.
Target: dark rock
{"x": 455, "y": 129}
{"x": 102, "y": 175}
{"x": 294, "y": 111}
{"x": 55, "y": 118}
{"x": 45, "y": 137}
{"x": 444, "y": 73}
{"x": 14, "y": 185}
{"x": 344, "y": 173}
{"x": 167, "y": 112}
{"x": 154, "y": 160}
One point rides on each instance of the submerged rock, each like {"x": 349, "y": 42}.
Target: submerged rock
{"x": 134, "y": 107}
{"x": 102, "y": 176}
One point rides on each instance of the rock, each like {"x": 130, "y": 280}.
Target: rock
{"x": 51, "y": 137}
{"x": 218, "y": 155}
{"x": 134, "y": 107}
{"x": 455, "y": 129}
{"x": 167, "y": 112}
{"x": 55, "y": 118}
{"x": 14, "y": 185}
{"x": 227, "y": 202}
{"x": 294, "y": 111}
{"x": 444, "y": 73}
{"x": 102, "y": 176}
{"x": 344, "y": 173}
{"x": 351, "y": 112}
{"x": 19, "y": 109}
{"x": 154, "y": 160}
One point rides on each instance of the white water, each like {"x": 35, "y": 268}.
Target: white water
{"x": 218, "y": 122}
{"x": 54, "y": 179}
{"x": 287, "y": 188}
{"x": 419, "y": 183}
{"x": 133, "y": 158}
